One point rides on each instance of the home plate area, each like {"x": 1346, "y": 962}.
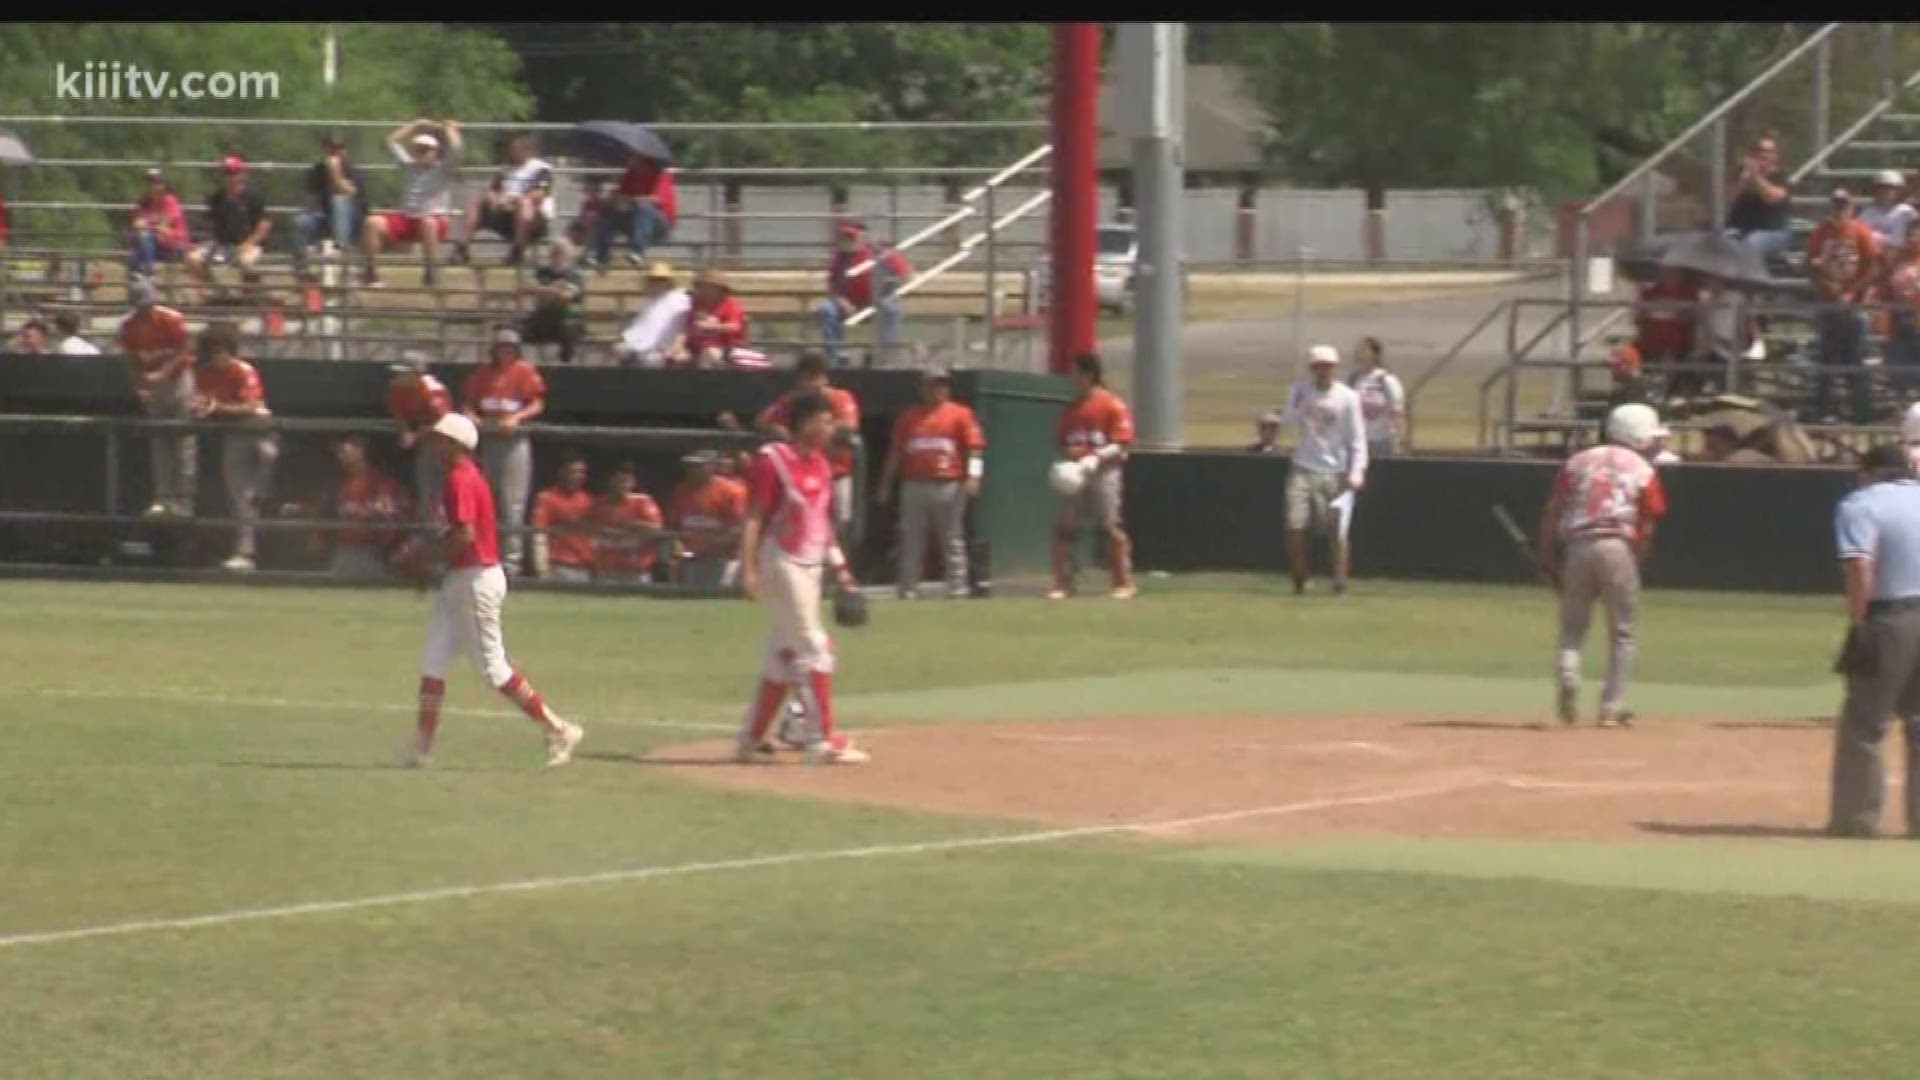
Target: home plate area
{"x": 1249, "y": 778}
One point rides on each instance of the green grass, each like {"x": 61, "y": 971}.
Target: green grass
{"x": 181, "y": 751}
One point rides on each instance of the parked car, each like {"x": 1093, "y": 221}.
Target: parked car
{"x": 1116, "y": 257}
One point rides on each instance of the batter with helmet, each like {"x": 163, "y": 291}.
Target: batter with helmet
{"x": 1595, "y": 534}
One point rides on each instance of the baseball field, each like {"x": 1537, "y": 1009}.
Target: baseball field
{"x": 1216, "y": 832}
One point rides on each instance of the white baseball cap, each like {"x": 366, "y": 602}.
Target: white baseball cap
{"x": 1889, "y": 178}
{"x": 428, "y": 141}
{"x": 457, "y": 427}
{"x": 1323, "y": 354}
{"x": 1635, "y": 425}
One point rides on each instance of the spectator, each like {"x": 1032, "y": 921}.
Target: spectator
{"x": 238, "y": 215}
{"x": 67, "y": 325}
{"x": 415, "y": 400}
{"x": 422, "y": 217}
{"x": 810, "y": 378}
{"x": 1758, "y": 216}
{"x": 563, "y": 546}
{"x": 643, "y": 204}
{"x": 1383, "y": 400}
{"x": 1266, "y": 429}
{"x": 559, "y": 291}
{"x": 374, "y": 503}
{"x": 517, "y": 207}
{"x": 1903, "y": 323}
{"x": 1888, "y": 215}
{"x": 717, "y": 322}
{"x": 154, "y": 340}
{"x": 159, "y": 232}
{"x": 626, "y": 530}
{"x": 658, "y": 333}
{"x": 1629, "y": 381}
{"x": 708, "y": 511}
{"x": 501, "y": 395}
{"x": 1723, "y": 332}
{"x": 848, "y": 293}
{"x": 1665, "y": 316}
{"x": 580, "y": 231}
{"x": 31, "y": 340}
{"x": 336, "y": 203}
{"x": 227, "y": 389}
{"x": 1842, "y": 254}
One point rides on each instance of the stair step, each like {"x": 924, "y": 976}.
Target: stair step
{"x": 1883, "y": 145}
{"x": 1862, "y": 172}
{"x": 1899, "y": 118}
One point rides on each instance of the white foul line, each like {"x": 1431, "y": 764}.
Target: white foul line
{"x": 328, "y": 706}
{"x": 760, "y": 862}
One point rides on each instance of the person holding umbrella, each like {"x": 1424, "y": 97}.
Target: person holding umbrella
{"x": 643, "y": 205}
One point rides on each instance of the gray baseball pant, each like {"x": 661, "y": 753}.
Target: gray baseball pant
{"x": 246, "y": 465}
{"x": 173, "y": 456}
{"x": 939, "y": 505}
{"x": 1603, "y": 570}
{"x": 1872, "y": 701}
{"x": 508, "y": 463}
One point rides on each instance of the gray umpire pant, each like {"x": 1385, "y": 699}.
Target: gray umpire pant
{"x": 246, "y": 465}
{"x": 1891, "y": 690}
{"x": 940, "y": 506}
{"x": 1603, "y": 570}
{"x": 508, "y": 463}
{"x": 173, "y": 456}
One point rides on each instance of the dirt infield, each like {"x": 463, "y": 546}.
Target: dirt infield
{"x": 1251, "y": 779}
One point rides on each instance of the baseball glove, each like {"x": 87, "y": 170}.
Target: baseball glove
{"x": 850, "y": 608}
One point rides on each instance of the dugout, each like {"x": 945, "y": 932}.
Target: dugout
{"x": 67, "y": 470}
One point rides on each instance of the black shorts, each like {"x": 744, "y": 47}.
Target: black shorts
{"x": 500, "y": 221}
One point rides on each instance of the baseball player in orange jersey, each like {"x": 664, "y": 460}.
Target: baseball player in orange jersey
{"x": 787, "y": 542}
{"x": 810, "y": 377}
{"x": 154, "y": 339}
{"x": 500, "y": 395}
{"x": 415, "y": 400}
{"x": 1095, "y": 428}
{"x": 707, "y": 510}
{"x": 563, "y": 548}
{"x": 227, "y": 388}
{"x": 371, "y": 499}
{"x": 938, "y": 448}
{"x": 1597, "y": 529}
{"x": 626, "y": 524}
{"x": 466, "y": 612}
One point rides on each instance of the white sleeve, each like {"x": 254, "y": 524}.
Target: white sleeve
{"x": 399, "y": 153}
{"x": 1356, "y": 426}
{"x": 1291, "y": 412}
{"x": 1396, "y": 395}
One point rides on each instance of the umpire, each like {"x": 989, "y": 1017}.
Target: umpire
{"x": 1878, "y": 534}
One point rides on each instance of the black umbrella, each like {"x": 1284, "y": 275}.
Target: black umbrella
{"x": 1715, "y": 255}
{"x": 1641, "y": 262}
{"x": 612, "y": 142}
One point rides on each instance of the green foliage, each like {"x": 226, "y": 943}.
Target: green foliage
{"x": 385, "y": 71}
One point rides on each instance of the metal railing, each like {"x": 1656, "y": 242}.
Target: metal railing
{"x": 1816, "y": 50}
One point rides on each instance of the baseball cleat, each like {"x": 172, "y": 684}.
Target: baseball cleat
{"x": 838, "y": 750}
{"x": 415, "y": 756}
{"x": 1616, "y": 717}
{"x": 158, "y": 510}
{"x": 907, "y": 594}
{"x": 561, "y": 743}
{"x": 1567, "y": 704}
{"x": 239, "y": 564}
{"x": 1339, "y": 588}
{"x": 1056, "y": 594}
{"x": 1125, "y": 592}
{"x": 750, "y": 753}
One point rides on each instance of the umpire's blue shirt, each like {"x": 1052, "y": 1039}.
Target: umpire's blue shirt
{"x": 1882, "y": 522}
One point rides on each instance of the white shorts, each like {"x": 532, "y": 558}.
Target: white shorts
{"x": 797, "y": 641}
{"x": 466, "y": 618}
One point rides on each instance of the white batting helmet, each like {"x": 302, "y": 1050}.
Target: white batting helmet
{"x": 458, "y": 428}
{"x": 1635, "y": 425}
{"x": 1910, "y": 424}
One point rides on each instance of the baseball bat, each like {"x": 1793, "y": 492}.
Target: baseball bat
{"x": 1520, "y": 542}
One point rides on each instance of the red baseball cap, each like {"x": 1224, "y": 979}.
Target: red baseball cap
{"x": 233, "y": 163}
{"x": 852, "y": 228}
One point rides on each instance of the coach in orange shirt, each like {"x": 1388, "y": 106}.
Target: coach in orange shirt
{"x": 937, "y": 452}
{"x": 626, "y": 530}
{"x": 227, "y": 389}
{"x": 810, "y": 377}
{"x": 500, "y": 395}
{"x": 707, "y": 510}
{"x": 563, "y": 548}
{"x": 1095, "y": 429}
{"x": 154, "y": 338}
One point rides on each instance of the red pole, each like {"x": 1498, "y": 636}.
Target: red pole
{"x": 1076, "y": 199}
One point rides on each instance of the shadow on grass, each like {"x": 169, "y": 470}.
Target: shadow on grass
{"x": 1732, "y": 830}
{"x": 638, "y": 759}
{"x": 1801, "y": 723}
{"x": 318, "y": 766}
{"x": 1476, "y": 725}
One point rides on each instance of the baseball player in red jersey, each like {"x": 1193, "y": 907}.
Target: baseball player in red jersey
{"x": 416, "y": 399}
{"x": 1596, "y": 532}
{"x": 563, "y": 548}
{"x": 810, "y": 377}
{"x": 1095, "y": 429}
{"x": 466, "y": 612}
{"x": 228, "y": 389}
{"x": 787, "y": 542}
